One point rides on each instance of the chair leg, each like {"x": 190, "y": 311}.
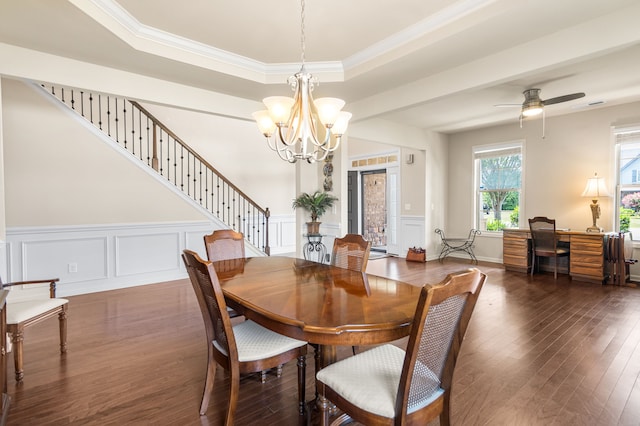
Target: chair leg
{"x": 302, "y": 375}
{"x": 317, "y": 353}
{"x": 445, "y": 414}
{"x": 62, "y": 317}
{"x": 555, "y": 268}
{"x": 208, "y": 383}
{"x": 233, "y": 397}
{"x": 325, "y": 410}
{"x": 533, "y": 262}
{"x": 17, "y": 339}
{"x": 279, "y": 371}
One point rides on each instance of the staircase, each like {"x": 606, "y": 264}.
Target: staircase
{"x": 138, "y": 132}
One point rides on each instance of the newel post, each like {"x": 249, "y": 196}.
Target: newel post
{"x": 267, "y": 249}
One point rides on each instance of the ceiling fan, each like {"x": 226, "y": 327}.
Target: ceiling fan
{"x": 533, "y": 105}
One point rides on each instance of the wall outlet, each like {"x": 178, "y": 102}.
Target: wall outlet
{"x": 73, "y": 267}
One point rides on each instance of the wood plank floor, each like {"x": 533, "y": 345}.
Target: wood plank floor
{"x": 537, "y": 352}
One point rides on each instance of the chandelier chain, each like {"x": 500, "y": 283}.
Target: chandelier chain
{"x": 302, "y": 35}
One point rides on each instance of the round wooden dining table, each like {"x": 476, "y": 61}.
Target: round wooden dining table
{"x": 321, "y": 304}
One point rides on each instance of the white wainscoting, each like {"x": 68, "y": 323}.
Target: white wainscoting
{"x": 411, "y": 233}
{"x": 94, "y": 258}
{"x": 282, "y": 234}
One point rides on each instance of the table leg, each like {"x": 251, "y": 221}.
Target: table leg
{"x": 325, "y": 355}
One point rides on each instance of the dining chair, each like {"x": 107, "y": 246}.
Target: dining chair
{"x": 544, "y": 242}
{"x": 351, "y": 252}
{"x": 387, "y": 385}
{"x": 245, "y": 347}
{"x": 28, "y": 303}
{"x": 225, "y": 244}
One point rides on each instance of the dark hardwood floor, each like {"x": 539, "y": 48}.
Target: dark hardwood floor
{"x": 537, "y": 352}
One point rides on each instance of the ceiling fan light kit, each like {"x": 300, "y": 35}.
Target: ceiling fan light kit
{"x": 533, "y": 105}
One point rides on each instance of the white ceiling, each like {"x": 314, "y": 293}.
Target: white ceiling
{"x": 440, "y": 65}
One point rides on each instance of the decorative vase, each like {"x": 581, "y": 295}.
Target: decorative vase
{"x": 313, "y": 228}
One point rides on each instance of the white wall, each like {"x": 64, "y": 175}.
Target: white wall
{"x": 556, "y": 170}
{"x": 58, "y": 173}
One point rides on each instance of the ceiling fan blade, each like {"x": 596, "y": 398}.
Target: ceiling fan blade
{"x": 507, "y": 105}
{"x": 564, "y": 98}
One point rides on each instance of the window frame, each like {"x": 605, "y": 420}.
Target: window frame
{"x": 480, "y": 151}
{"x": 624, "y": 135}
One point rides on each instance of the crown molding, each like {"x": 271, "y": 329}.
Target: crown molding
{"x": 123, "y": 25}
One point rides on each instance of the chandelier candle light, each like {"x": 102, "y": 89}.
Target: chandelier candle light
{"x": 595, "y": 188}
{"x": 306, "y": 129}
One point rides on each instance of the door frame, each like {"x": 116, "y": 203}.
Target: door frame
{"x": 387, "y": 160}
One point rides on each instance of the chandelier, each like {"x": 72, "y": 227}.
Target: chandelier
{"x": 301, "y": 128}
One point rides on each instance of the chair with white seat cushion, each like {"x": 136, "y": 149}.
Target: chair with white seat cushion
{"x": 386, "y": 385}
{"x": 245, "y": 347}
{"x": 30, "y": 302}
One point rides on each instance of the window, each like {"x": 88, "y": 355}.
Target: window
{"x": 498, "y": 177}
{"x": 627, "y": 143}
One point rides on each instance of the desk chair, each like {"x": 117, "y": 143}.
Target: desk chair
{"x": 386, "y": 385}
{"x": 245, "y": 347}
{"x": 26, "y": 307}
{"x": 545, "y": 242}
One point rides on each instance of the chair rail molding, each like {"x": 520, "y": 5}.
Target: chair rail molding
{"x": 93, "y": 258}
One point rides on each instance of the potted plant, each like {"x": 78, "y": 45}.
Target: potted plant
{"x": 316, "y": 204}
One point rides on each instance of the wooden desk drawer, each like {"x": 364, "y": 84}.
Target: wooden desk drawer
{"x": 586, "y": 259}
{"x": 522, "y": 261}
{"x": 586, "y": 244}
{"x": 589, "y": 270}
{"x": 515, "y": 244}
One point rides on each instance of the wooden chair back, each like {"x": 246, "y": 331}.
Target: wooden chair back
{"x": 351, "y": 252}
{"x": 263, "y": 349}
{"x": 543, "y": 235}
{"x": 223, "y": 244}
{"x": 213, "y": 308}
{"x": 439, "y": 326}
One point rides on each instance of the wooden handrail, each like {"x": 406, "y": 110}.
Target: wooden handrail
{"x": 140, "y": 133}
{"x": 195, "y": 154}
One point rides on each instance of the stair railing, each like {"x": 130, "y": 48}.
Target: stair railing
{"x": 137, "y": 131}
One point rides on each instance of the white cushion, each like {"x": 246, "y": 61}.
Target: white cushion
{"x": 370, "y": 380}
{"x": 18, "y": 312}
{"x": 256, "y": 342}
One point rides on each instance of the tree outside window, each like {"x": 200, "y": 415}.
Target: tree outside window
{"x": 499, "y": 175}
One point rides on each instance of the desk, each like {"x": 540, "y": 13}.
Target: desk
{"x": 318, "y": 303}
{"x": 587, "y": 251}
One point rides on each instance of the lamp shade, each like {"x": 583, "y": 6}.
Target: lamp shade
{"x": 340, "y": 126}
{"x": 328, "y": 109}
{"x": 279, "y": 108}
{"x": 265, "y": 123}
{"x": 595, "y": 188}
